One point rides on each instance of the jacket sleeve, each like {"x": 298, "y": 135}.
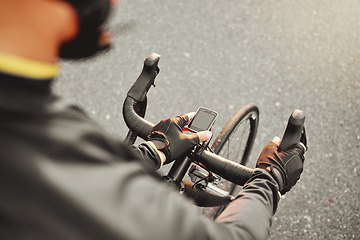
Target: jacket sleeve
{"x": 124, "y": 201}
{"x": 147, "y": 153}
{"x": 254, "y": 207}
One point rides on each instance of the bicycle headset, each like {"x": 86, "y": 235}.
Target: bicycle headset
{"x": 92, "y": 16}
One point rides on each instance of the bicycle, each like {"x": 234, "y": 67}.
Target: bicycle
{"x": 216, "y": 172}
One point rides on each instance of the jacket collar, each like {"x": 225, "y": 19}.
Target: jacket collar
{"x": 28, "y": 68}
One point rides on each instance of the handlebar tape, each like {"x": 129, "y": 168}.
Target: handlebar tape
{"x": 227, "y": 169}
{"x": 136, "y": 123}
{"x": 133, "y": 110}
{"x": 294, "y": 129}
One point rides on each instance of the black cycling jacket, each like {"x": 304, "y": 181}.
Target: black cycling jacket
{"x": 63, "y": 177}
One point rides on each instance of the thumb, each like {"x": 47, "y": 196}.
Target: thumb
{"x": 276, "y": 140}
{"x": 204, "y": 135}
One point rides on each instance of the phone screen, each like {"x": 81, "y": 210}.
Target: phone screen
{"x": 203, "y": 120}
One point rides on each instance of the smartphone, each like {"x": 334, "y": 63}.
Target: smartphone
{"x": 203, "y": 120}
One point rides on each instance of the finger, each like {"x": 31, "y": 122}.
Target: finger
{"x": 181, "y": 120}
{"x": 204, "y": 135}
{"x": 190, "y": 115}
{"x": 276, "y": 140}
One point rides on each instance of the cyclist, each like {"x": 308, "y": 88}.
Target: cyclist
{"x": 63, "y": 177}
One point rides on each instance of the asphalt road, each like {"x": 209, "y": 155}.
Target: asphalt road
{"x": 280, "y": 54}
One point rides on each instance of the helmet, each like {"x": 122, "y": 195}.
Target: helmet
{"x": 92, "y": 16}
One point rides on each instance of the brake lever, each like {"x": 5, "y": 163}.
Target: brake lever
{"x": 303, "y": 138}
{"x": 294, "y": 131}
